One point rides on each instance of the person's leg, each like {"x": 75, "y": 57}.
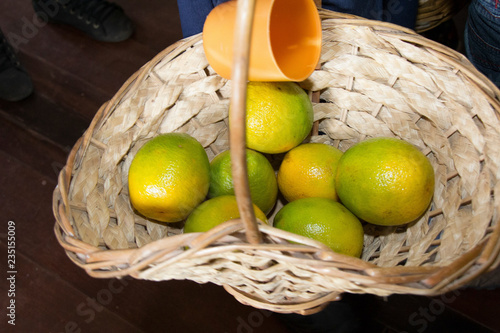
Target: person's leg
{"x": 371, "y": 9}
{"x": 15, "y": 83}
{"x": 100, "y": 19}
{"x": 482, "y": 38}
{"x": 193, "y": 14}
{"x": 401, "y": 12}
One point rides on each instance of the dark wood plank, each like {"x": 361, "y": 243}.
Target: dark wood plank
{"x": 408, "y": 313}
{"x": 479, "y": 305}
{"x": 27, "y": 147}
{"x": 44, "y": 120}
{"x": 157, "y": 22}
{"x": 46, "y": 303}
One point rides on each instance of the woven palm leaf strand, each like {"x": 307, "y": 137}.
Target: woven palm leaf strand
{"x": 431, "y": 13}
{"x": 374, "y": 79}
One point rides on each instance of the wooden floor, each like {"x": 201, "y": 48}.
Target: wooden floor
{"x": 73, "y": 76}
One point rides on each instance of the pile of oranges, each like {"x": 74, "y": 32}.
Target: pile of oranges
{"x": 328, "y": 194}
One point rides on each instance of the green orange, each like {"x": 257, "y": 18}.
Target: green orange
{"x": 385, "y": 181}
{"x": 324, "y": 220}
{"x": 261, "y": 178}
{"x": 216, "y": 211}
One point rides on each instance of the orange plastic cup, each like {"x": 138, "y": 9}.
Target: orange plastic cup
{"x": 285, "y": 43}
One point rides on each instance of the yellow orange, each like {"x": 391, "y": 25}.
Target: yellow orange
{"x": 309, "y": 170}
{"x": 279, "y": 116}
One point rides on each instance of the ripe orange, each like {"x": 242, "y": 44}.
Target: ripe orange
{"x": 261, "y": 178}
{"x": 279, "y": 116}
{"x": 216, "y": 211}
{"x": 385, "y": 181}
{"x": 168, "y": 177}
{"x": 309, "y": 170}
{"x": 324, "y": 220}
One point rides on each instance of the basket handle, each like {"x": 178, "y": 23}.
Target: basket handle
{"x": 237, "y": 135}
{"x": 245, "y": 11}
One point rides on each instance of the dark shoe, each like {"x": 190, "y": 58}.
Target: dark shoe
{"x": 15, "y": 83}
{"x": 101, "y": 20}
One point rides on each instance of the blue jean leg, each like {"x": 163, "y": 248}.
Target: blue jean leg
{"x": 482, "y": 38}
{"x": 193, "y": 14}
{"x": 403, "y": 12}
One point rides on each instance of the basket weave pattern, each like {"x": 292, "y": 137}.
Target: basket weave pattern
{"x": 375, "y": 79}
{"x": 432, "y": 13}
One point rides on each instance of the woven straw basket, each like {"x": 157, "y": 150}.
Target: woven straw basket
{"x": 374, "y": 79}
{"x": 432, "y": 13}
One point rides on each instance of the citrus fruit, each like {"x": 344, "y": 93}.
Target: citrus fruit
{"x": 168, "y": 177}
{"x": 279, "y": 116}
{"x": 261, "y": 178}
{"x": 385, "y": 181}
{"x": 309, "y": 170}
{"x": 324, "y": 220}
{"x": 216, "y": 211}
